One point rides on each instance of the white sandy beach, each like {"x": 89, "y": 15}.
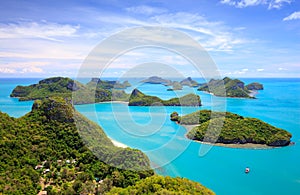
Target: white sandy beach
{"x": 118, "y": 144}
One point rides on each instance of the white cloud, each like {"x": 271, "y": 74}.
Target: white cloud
{"x": 32, "y": 69}
{"x": 7, "y": 70}
{"x": 237, "y": 72}
{"x": 293, "y": 16}
{"x": 146, "y": 10}
{"x": 43, "y": 30}
{"x": 272, "y": 4}
{"x": 282, "y": 69}
{"x": 260, "y": 69}
{"x": 277, "y": 4}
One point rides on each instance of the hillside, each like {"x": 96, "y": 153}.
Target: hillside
{"x": 138, "y": 98}
{"x": 44, "y": 151}
{"x": 227, "y": 87}
{"x": 236, "y": 129}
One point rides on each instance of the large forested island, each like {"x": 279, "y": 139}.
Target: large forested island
{"x": 228, "y": 87}
{"x": 138, "y": 98}
{"x": 43, "y": 151}
{"x": 235, "y": 129}
{"x": 94, "y": 91}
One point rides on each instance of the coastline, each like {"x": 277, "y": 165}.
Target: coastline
{"x": 118, "y": 144}
{"x": 239, "y": 146}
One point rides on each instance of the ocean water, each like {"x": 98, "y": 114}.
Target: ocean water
{"x": 273, "y": 171}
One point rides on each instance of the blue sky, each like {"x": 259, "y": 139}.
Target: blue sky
{"x": 245, "y": 38}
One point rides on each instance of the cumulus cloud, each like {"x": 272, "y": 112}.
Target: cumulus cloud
{"x": 260, "y": 69}
{"x": 293, "y": 16}
{"x": 272, "y": 4}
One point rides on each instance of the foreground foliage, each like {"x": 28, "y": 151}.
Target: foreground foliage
{"x": 234, "y": 129}
{"x": 163, "y": 185}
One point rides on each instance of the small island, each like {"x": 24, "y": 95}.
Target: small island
{"x": 176, "y": 85}
{"x": 138, "y": 98}
{"x": 236, "y": 129}
{"x": 228, "y": 87}
{"x": 156, "y": 80}
{"x": 189, "y": 82}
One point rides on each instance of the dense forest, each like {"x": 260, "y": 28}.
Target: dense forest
{"x": 163, "y": 185}
{"x": 54, "y": 148}
{"x": 235, "y": 129}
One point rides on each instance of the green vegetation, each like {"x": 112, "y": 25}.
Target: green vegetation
{"x": 236, "y": 129}
{"x": 94, "y": 91}
{"x": 95, "y": 82}
{"x": 54, "y": 148}
{"x": 137, "y": 98}
{"x": 163, "y": 185}
{"x": 227, "y": 88}
{"x": 44, "y": 151}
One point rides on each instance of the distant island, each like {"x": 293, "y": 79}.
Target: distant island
{"x": 45, "y": 152}
{"x": 228, "y": 87}
{"x": 137, "y": 98}
{"x": 94, "y": 91}
{"x": 176, "y": 85}
{"x": 236, "y": 129}
{"x": 156, "y": 80}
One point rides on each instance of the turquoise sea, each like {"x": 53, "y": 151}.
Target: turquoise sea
{"x": 273, "y": 171}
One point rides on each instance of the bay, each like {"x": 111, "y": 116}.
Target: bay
{"x": 273, "y": 171}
